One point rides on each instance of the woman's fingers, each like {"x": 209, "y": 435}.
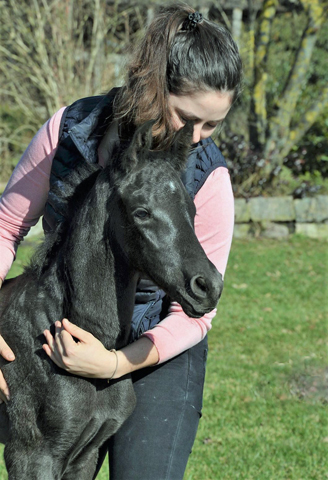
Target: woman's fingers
{"x": 59, "y": 345}
{"x": 52, "y": 348}
{"x": 5, "y": 351}
{"x": 75, "y": 331}
{"x": 50, "y": 339}
{"x": 7, "y": 354}
{"x": 4, "y": 390}
{"x": 58, "y": 338}
{"x": 49, "y": 347}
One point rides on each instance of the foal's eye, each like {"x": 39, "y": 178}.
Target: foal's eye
{"x": 141, "y": 213}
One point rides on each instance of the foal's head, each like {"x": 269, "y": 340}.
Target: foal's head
{"x": 154, "y": 222}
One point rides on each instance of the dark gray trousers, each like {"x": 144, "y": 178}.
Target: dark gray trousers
{"x": 156, "y": 440}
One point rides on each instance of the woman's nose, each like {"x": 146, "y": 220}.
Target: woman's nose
{"x": 197, "y": 134}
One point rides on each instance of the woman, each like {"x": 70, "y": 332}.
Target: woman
{"x": 185, "y": 68}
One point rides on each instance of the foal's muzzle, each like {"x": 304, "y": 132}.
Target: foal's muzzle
{"x": 202, "y": 294}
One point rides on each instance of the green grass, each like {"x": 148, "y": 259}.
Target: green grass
{"x": 266, "y": 394}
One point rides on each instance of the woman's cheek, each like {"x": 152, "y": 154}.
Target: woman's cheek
{"x": 177, "y": 123}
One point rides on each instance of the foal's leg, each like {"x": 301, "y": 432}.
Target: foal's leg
{"x": 84, "y": 464}
{"x": 22, "y": 463}
{"x": 84, "y": 469}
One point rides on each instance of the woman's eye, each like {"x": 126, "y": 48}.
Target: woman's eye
{"x": 141, "y": 213}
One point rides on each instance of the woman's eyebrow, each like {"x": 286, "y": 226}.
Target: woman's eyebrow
{"x": 191, "y": 116}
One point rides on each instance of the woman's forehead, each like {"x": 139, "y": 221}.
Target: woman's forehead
{"x": 204, "y": 106}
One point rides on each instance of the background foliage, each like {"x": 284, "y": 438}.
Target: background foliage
{"x": 275, "y": 138}
{"x": 280, "y": 147}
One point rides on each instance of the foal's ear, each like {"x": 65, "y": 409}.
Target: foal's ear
{"x": 181, "y": 145}
{"x": 140, "y": 145}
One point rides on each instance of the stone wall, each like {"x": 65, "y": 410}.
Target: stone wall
{"x": 278, "y": 217}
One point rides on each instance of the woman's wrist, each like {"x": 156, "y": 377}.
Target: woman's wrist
{"x": 140, "y": 354}
{"x": 116, "y": 363}
{"x": 108, "y": 365}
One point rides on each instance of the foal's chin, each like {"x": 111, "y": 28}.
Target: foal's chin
{"x": 192, "y": 308}
{"x": 195, "y": 313}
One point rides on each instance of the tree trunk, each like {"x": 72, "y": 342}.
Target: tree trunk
{"x": 237, "y": 16}
{"x": 258, "y": 117}
{"x": 280, "y": 139}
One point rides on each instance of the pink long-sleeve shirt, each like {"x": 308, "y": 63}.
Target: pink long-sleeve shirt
{"x": 23, "y": 201}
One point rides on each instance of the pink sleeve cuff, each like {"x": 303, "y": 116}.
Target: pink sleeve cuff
{"x": 177, "y": 333}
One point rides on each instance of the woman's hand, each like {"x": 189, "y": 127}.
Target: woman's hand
{"x": 7, "y": 354}
{"x": 87, "y": 357}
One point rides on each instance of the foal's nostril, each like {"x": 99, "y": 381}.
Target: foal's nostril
{"x": 198, "y": 286}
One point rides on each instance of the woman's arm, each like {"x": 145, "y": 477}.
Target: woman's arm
{"x": 23, "y": 200}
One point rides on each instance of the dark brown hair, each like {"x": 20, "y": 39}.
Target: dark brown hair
{"x": 173, "y": 59}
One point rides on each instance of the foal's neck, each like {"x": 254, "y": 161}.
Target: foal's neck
{"x": 100, "y": 285}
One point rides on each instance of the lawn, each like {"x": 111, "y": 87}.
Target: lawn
{"x": 266, "y": 394}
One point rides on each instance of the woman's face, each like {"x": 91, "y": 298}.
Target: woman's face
{"x": 206, "y": 109}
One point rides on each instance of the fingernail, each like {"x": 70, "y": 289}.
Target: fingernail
{"x": 11, "y": 356}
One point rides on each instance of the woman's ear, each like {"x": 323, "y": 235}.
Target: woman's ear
{"x": 181, "y": 145}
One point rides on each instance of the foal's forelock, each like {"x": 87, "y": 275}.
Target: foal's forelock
{"x": 140, "y": 149}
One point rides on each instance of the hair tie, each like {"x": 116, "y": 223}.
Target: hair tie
{"x": 192, "y": 20}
